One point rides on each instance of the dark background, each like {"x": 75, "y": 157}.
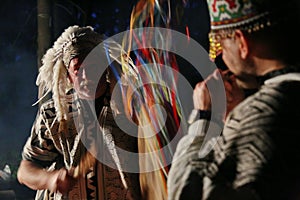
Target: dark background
{"x": 18, "y": 54}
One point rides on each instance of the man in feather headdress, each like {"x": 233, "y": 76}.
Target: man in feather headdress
{"x": 58, "y": 157}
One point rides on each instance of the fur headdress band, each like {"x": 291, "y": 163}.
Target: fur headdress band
{"x": 74, "y": 41}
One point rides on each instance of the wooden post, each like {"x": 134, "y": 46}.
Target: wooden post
{"x": 44, "y": 24}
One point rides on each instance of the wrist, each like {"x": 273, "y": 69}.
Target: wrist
{"x": 199, "y": 114}
{"x": 52, "y": 179}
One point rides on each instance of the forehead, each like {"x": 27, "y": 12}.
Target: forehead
{"x": 78, "y": 63}
{"x": 77, "y": 60}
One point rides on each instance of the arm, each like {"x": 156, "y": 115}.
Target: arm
{"x": 38, "y": 154}
{"x": 193, "y": 159}
{"x": 234, "y": 94}
{"x": 37, "y": 178}
{"x": 33, "y": 176}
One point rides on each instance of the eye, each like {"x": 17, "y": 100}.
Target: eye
{"x": 74, "y": 69}
{"x": 75, "y": 66}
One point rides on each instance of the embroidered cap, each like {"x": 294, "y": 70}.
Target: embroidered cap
{"x": 233, "y": 13}
{"x": 227, "y": 15}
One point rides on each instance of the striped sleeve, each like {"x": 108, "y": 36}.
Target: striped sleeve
{"x": 39, "y": 146}
{"x": 185, "y": 179}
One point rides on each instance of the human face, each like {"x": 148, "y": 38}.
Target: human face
{"x": 85, "y": 79}
{"x": 235, "y": 53}
{"x": 230, "y": 55}
{"x": 224, "y": 42}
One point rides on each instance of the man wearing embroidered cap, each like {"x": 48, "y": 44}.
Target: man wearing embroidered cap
{"x": 58, "y": 160}
{"x": 257, "y": 154}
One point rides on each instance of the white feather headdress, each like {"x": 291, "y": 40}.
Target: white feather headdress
{"x": 52, "y": 77}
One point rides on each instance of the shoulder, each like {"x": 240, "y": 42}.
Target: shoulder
{"x": 271, "y": 99}
{"x": 47, "y": 109}
{"x": 276, "y": 104}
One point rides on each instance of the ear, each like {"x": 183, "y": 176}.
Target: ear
{"x": 243, "y": 43}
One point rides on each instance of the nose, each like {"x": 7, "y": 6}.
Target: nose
{"x": 89, "y": 71}
{"x": 87, "y": 75}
